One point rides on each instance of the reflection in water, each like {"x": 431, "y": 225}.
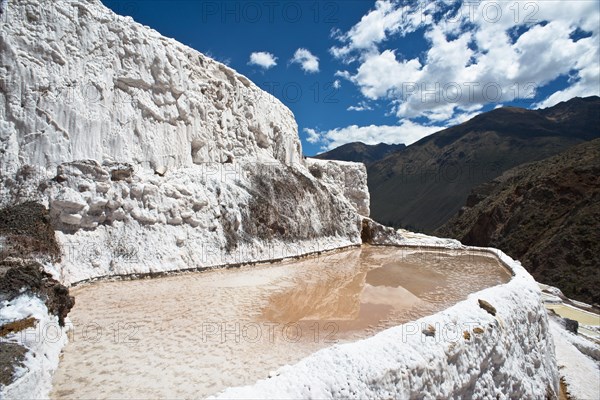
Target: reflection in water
{"x": 192, "y": 335}
{"x": 382, "y": 291}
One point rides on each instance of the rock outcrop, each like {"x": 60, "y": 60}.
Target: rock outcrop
{"x": 12, "y": 357}
{"x": 31, "y": 301}
{"x": 350, "y": 177}
{"x": 26, "y": 232}
{"x": 18, "y": 277}
{"x": 27, "y": 238}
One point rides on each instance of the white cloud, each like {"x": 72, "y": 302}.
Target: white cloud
{"x": 464, "y": 115}
{"x": 386, "y": 18}
{"x": 308, "y": 61}
{"x": 362, "y": 106}
{"x": 344, "y": 74}
{"x": 337, "y": 84}
{"x": 381, "y": 75}
{"x": 585, "y": 86}
{"x": 312, "y": 136}
{"x": 406, "y": 132}
{"x": 263, "y": 59}
{"x": 586, "y": 81}
{"x": 473, "y": 56}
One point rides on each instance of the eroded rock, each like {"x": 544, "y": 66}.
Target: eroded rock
{"x": 17, "y": 326}
{"x": 12, "y": 357}
{"x": 487, "y": 307}
{"x": 27, "y": 232}
{"x": 376, "y": 234}
{"x": 28, "y": 276}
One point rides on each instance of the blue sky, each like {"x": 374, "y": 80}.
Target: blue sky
{"x": 388, "y": 70}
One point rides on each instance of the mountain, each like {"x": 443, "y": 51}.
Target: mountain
{"x": 545, "y": 214}
{"x": 360, "y": 152}
{"x": 424, "y": 185}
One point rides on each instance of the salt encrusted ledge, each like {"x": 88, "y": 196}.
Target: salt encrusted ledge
{"x": 171, "y": 272}
{"x": 472, "y": 354}
{"x": 43, "y": 342}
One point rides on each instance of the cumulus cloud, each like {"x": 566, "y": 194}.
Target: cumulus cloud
{"x": 406, "y": 132}
{"x": 373, "y": 28}
{"x": 382, "y": 74}
{"x": 263, "y": 59}
{"x": 307, "y": 61}
{"x": 312, "y": 136}
{"x": 477, "y": 53}
{"x": 337, "y": 84}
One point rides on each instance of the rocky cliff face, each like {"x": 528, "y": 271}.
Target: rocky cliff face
{"x": 345, "y": 179}
{"x": 31, "y": 300}
{"x": 152, "y": 157}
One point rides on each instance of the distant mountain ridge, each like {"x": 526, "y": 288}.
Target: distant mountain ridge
{"x": 361, "y": 152}
{"x": 547, "y": 215}
{"x": 425, "y": 184}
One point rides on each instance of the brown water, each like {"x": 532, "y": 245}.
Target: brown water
{"x": 192, "y": 335}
